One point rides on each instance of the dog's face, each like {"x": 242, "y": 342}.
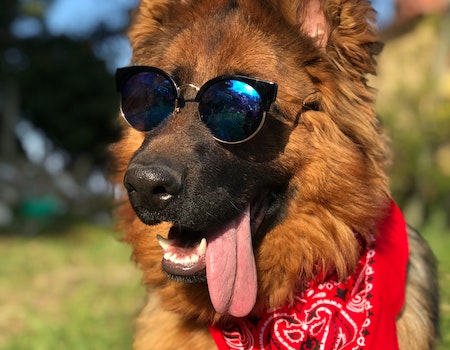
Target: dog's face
{"x": 248, "y": 223}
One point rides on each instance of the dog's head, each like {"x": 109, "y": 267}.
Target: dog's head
{"x": 290, "y": 188}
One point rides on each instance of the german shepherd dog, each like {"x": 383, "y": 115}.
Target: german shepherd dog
{"x": 257, "y": 202}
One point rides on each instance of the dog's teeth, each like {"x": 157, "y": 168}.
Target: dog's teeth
{"x": 201, "y": 250}
{"x": 193, "y": 259}
{"x": 168, "y": 256}
{"x": 164, "y": 243}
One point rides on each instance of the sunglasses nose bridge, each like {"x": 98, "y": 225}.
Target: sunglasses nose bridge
{"x": 188, "y": 92}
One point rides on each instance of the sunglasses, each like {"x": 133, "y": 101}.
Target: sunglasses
{"x": 233, "y": 107}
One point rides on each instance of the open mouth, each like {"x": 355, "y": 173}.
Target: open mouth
{"x": 222, "y": 256}
{"x": 184, "y": 260}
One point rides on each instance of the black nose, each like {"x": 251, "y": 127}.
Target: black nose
{"x": 152, "y": 187}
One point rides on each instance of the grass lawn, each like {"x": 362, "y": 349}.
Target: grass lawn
{"x": 78, "y": 289}
{"x": 72, "y": 290}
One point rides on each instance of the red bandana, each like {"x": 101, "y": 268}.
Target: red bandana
{"x": 359, "y": 313}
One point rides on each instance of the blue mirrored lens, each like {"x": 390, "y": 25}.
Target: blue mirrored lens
{"x": 231, "y": 109}
{"x": 147, "y": 99}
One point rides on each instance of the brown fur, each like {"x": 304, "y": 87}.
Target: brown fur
{"x": 334, "y": 159}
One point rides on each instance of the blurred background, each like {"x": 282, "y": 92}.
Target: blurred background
{"x": 66, "y": 281}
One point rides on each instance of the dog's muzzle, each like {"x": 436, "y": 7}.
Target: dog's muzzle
{"x": 220, "y": 254}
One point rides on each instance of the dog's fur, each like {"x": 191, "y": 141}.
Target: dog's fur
{"x": 322, "y": 168}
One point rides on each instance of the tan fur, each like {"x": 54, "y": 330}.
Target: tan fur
{"x": 184, "y": 333}
{"x": 337, "y": 156}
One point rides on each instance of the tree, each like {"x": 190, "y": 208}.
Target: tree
{"x": 63, "y": 88}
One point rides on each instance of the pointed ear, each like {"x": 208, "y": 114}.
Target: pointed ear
{"x": 148, "y": 18}
{"x": 312, "y": 21}
{"x": 344, "y": 29}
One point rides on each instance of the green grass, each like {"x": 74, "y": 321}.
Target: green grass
{"x": 77, "y": 289}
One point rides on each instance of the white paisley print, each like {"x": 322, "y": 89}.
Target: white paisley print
{"x": 332, "y": 315}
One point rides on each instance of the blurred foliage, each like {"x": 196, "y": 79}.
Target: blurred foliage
{"x": 414, "y": 104}
{"x": 68, "y": 93}
{"x": 63, "y": 88}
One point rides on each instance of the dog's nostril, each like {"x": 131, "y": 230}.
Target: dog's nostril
{"x": 129, "y": 187}
{"x": 159, "y": 190}
{"x": 152, "y": 187}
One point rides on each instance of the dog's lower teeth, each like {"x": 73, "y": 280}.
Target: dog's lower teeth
{"x": 182, "y": 261}
{"x": 168, "y": 256}
{"x": 187, "y": 260}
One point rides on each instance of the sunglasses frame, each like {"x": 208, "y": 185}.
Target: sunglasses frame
{"x": 266, "y": 90}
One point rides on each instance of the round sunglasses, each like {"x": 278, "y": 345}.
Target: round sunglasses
{"x": 233, "y": 107}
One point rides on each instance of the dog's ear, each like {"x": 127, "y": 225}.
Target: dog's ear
{"x": 345, "y": 29}
{"x": 148, "y": 19}
{"x": 310, "y": 15}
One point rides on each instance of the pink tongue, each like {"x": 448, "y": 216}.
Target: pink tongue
{"x": 230, "y": 268}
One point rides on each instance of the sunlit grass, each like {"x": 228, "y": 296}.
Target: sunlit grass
{"x": 77, "y": 289}
{"x": 72, "y": 290}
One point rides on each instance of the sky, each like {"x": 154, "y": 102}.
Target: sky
{"x": 386, "y": 11}
{"x": 81, "y": 17}
{"x": 78, "y": 18}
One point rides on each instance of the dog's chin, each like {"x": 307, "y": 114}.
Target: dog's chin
{"x": 184, "y": 250}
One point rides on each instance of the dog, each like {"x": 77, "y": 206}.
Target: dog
{"x": 257, "y": 202}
